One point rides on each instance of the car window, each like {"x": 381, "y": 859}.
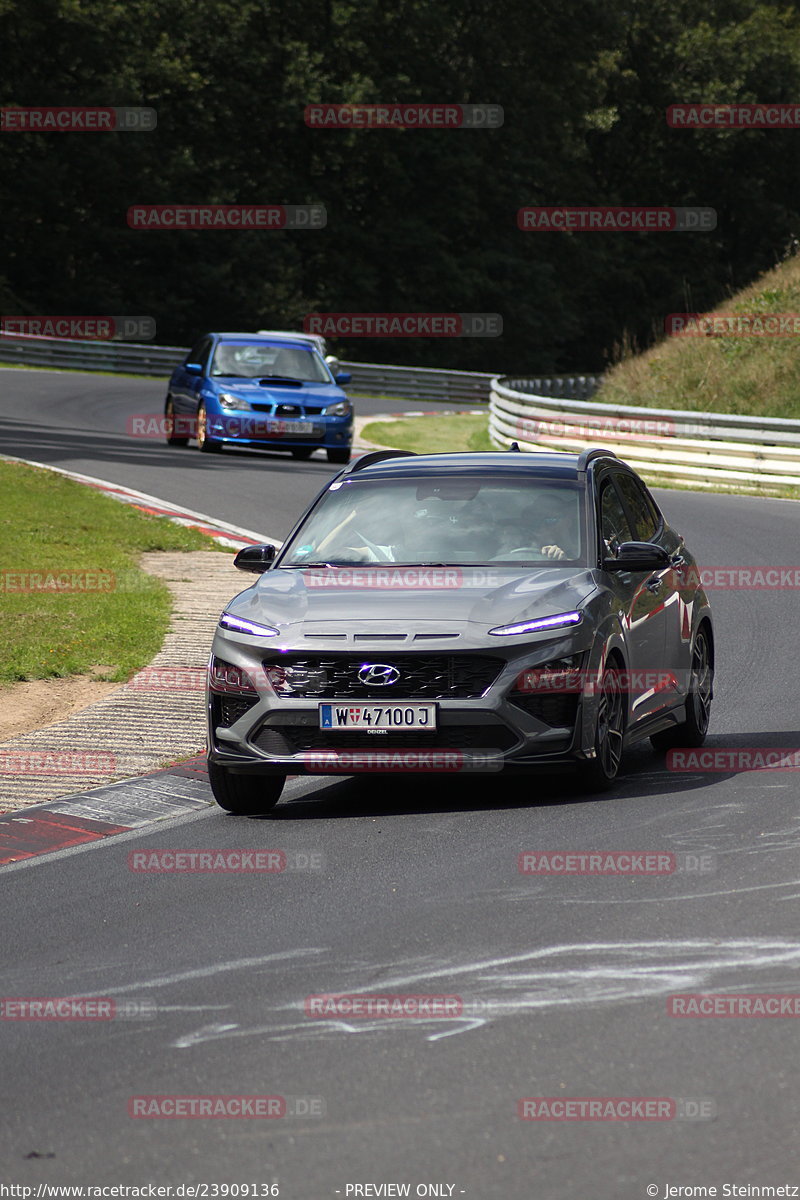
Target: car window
{"x": 256, "y": 360}
{"x": 443, "y": 519}
{"x": 199, "y": 351}
{"x": 614, "y": 527}
{"x": 640, "y": 507}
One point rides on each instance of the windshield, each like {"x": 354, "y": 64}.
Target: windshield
{"x": 448, "y": 520}
{"x": 261, "y": 360}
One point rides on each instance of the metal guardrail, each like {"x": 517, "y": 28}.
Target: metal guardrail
{"x": 697, "y": 448}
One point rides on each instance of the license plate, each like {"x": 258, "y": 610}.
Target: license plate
{"x": 377, "y": 716}
{"x": 295, "y": 428}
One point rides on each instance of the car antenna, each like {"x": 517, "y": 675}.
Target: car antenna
{"x": 515, "y": 446}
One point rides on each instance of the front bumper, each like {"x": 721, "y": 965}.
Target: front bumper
{"x": 254, "y": 429}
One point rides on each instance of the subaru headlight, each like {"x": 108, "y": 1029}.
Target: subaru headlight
{"x": 341, "y": 409}
{"x": 228, "y": 400}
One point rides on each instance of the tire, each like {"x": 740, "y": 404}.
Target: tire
{"x": 205, "y": 444}
{"x": 245, "y": 795}
{"x": 599, "y": 774}
{"x": 338, "y": 456}
{"x": 169, "y": 421}
{"x": 692, "y": 731}
{"x": 302, "y": 452}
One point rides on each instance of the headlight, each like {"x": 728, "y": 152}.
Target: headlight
{"x": 239, "y": 625}
{"x": 343, "y": 409}
{"x": 228, "y": 400}
{"x": 561, "y": 621}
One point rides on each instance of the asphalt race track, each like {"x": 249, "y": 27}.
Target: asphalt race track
{"x": 416, "y": 890}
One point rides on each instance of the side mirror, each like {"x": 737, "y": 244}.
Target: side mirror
{"x": 343, "y": 377}
{"x": 638, "y": 556}
{"x": 193, "y": 368}
{"x": 255, "y": 559}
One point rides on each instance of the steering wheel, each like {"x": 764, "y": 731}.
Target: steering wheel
{"x": 527, "y": 551}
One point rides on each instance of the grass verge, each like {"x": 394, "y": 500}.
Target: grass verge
{"x": 74, "y": 600}
{"x": 431, "y": 435}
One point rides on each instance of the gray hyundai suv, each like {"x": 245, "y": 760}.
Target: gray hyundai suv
{"x": 446, "y": 613}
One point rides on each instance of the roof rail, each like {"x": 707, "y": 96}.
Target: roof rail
{"x": 375, "y": 456}
{"x": 586, "y": 456}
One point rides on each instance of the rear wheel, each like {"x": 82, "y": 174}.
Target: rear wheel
{"x": 169, "y": 426}
{"x": 204, "y": 442}
{"x": 338, "y": 456}
{"x": 598, "y": 774}
{"x": 692, "y": 731}
{"x": 246, "y": 795}
{"x": 302, "y": 452}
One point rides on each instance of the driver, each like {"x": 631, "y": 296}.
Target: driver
{"x": 554, "y": 520}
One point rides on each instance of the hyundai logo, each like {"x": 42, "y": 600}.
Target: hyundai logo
{"x": 378, "y": 674}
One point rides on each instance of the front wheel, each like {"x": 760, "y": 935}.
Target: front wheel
{"x": 338, "y": 456}
{"x": 204, "y": 442}
{"x": 598, "y": 774}
{"x": 692, "y": 731}
{"x": 245, "y": 795}
{"x": 169, "y": 426}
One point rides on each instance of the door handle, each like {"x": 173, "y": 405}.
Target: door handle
{"x": 678, "y": 561}
{"x": 654, "y": 584}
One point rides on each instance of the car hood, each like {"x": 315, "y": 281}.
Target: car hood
{"x": 309, "y": 393}
{"x": 447, "y": 596}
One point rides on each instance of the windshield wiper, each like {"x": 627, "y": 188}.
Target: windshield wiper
{"x": 283, "y": 379}
{"x": 303, "y": 565}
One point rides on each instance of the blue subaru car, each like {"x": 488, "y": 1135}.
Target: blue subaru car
{"x": 262, "y": 391}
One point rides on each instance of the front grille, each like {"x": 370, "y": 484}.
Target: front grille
{"x": 287, "y": 738}
{"x": 558, "y": 711}
{"x": 422, "y": 677}
{"x": 227, "y": 710}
